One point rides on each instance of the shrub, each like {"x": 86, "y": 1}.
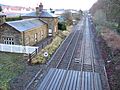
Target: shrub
{"x": 62, "y": 26}
{"x": 118, "y": 30}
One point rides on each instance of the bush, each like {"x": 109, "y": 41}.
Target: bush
{"x": 62, "y": 26}
{"x": 118, "y": 30}
{"x": 50, "y": 49}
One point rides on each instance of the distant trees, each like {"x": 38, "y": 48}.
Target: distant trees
{"x": 68, "y": 17}
{"x": 111, "y": 8}
{"x": 80, "y": 13}
{"x": 100, "y": 17}
{"x": 0, "y": 9}
{"x": 51, "y": 10}
{"x": 62, "y": 26}
{"x": 77, "y": 16}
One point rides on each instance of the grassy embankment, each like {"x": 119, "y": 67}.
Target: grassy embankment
{"x": 10, "y": 66}
{"x": 51, "y": 47}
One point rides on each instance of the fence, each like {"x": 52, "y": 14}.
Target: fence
{"x": 32, "y": 55}
{"x": 43, "y": 44}
{"x": 40, "y": 47}
{"x": 17, "y": 48}
{"x": 30, "y": 50}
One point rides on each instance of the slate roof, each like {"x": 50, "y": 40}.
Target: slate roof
{"x": 42, "y": 14}
{"x": 26, "y": 24}
{"x": 59, "y": 79}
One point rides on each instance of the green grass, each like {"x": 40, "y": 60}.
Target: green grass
{"x": 50, "y": 49}
{"x": 11, "y": 65}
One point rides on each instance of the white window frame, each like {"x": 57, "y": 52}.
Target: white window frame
{"x": 8, "y": 40}
{"x": 35, "y": 36}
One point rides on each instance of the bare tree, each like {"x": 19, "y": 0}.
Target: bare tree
{"x": 68, "y": 17}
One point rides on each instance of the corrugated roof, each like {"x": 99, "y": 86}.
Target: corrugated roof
{"x": 42, "y": 14}
{"x": 59, "y": 79}
{"x": 26, "y": 24}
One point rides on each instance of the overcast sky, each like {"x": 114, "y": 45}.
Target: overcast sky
{"x": 55, "y": 4}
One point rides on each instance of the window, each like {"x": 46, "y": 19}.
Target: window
{"x": 8, "y": 40}
{"x": 36, "y": 37}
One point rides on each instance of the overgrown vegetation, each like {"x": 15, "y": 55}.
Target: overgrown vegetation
{"x": 13, "y": 18}
{"x": 62, "y": 26}
{"x": 68, "y": 17}
{"x": 111, "y": 10}
{"x": 0, "y": 9}
{"x": 11, "y": 65}
{"x": 51, "y": 48}
{"x": 77, "y": 16}
{"x": 106, "y": 14}
{"x": 110, "y": 46}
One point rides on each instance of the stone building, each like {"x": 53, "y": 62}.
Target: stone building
{"x": 2, "y": 18}
{"x": 50, "y": 18}
{"x": 23, "y": 32}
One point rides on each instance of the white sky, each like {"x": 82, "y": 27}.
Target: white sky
{"x": 55, "y": 4}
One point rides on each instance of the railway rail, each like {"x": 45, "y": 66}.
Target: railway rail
{"x": 66, "y": 58}
{"x": 56, "y": 60}
{"x": 89, "y": 80}
{"x": 63, "y": 57}
{"x": 77, "y": 52}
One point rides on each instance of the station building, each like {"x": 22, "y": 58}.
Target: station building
{"x": 50, "y": 18}
{"x": 34, "y": 27}
{"x": 23, "y": 32}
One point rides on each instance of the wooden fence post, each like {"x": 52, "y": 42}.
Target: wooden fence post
{"x": 30, "y": 59}
{"x": 36, "y": 51}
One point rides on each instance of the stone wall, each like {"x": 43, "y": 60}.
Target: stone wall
{"x": 27, "y": 37}
{"x": 52, "y": 24}
{"x": 35, "y": 35}
{"x": 7, "y": 31}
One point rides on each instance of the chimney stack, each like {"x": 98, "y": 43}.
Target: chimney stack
{"x": 40, "y": 7}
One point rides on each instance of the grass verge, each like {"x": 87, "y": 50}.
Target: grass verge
{"x": 10, "y": 66}
{"x": 51, "y": 48}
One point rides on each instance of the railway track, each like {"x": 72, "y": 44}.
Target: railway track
{"x": 86, "y": 64}
{"x": 66, "y": 58}
{"x": 87, "y": 56}
{"x": 55, "y": 61}
{"x": 75, "y": 53}
{"x": 66, "y": 51}
{"x": 100, "y": 66}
